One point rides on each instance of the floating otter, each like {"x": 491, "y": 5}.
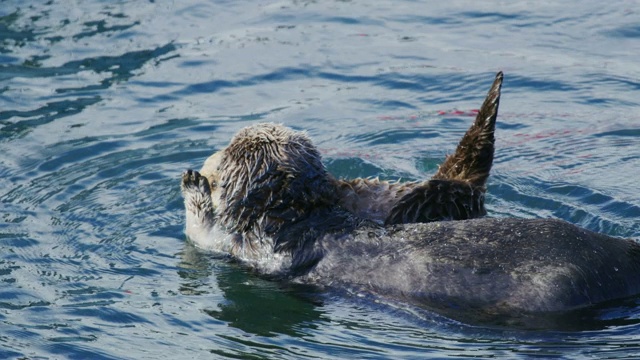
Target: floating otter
{"x": 455, "y": 192}
{"x": 276, "y": 210}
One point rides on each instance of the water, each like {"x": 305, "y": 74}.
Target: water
{"x": 103, "y": 104}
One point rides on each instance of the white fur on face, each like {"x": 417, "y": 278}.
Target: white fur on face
{"x": 211, "y": 170}
{"x": 206, "y": 233}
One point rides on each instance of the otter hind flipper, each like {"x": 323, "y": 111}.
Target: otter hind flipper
{"x": 438, "y": 200}
{"x": 456, "y": 191}
{"x": 473, "y": 157}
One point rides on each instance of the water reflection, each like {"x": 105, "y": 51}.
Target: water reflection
{"x": 251, "y": 304}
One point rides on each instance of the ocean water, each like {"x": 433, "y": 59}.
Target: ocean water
{"x": 104, "y": 103}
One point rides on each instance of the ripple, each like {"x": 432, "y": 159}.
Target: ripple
{"x": 626, "y": 31}
{"x": 104, "y": 104}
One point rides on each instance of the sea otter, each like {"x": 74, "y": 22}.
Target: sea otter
{"x": 276, "y": 210}
{"x": 455, "y": 192}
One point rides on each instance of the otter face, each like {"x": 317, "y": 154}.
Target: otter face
{"x": 211, "y": 171}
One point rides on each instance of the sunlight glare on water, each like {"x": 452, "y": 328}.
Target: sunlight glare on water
{"x": 104, "y": 104}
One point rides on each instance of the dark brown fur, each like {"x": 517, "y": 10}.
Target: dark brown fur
{"x": 269, "y": 177}
{"x": 457, "y": 190}
{"x": 473, "y": 158}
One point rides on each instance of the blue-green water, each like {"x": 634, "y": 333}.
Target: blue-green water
{"x": 104, "y": 103}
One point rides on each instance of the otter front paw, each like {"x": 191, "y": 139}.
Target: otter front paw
{"x": 193, "y": 181}
{"x": 197, "y": 200}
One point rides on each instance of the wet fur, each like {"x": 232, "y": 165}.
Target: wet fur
{"x": 277, "y": 212}
{"x": 455, "y": 192}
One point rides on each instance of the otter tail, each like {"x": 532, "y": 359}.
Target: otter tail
{"x": 473, "y": 158}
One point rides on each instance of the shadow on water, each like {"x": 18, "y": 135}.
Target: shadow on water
{"x": 251, "y": 304}
{"x": 612, "y": 314}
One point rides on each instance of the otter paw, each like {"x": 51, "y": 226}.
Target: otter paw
{"x": 193, "y": 181}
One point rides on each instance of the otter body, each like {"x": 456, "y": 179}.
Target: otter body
{"x": 487, "y": 267}
{"x": 495, "y": 266}
{"x": 274, "y": 208}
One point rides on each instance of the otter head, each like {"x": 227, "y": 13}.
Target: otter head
{"x": 269, "y": 177}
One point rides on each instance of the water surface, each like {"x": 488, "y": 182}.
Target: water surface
{"x": 104, "y": 104}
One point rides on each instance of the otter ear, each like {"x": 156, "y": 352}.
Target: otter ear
{"x": 438, "y": 200}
